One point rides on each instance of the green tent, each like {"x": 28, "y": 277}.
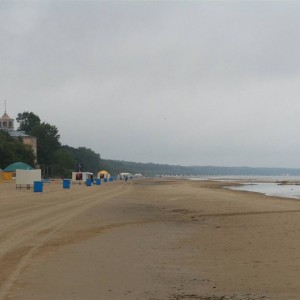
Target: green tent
{"x": 18, "y": 165}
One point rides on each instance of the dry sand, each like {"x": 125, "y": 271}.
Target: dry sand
{"x": 147, "y": 239}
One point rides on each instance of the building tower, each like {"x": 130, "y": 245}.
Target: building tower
{"x": 6, "y": 122}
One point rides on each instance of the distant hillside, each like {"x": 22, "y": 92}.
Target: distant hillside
{"x": 151, "y": 169}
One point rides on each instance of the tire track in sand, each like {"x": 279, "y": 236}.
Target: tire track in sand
{"x": 27, "y": 241}
{"x": 9, "y": 226}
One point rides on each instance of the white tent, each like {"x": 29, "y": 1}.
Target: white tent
{"x": 124, "y": 175}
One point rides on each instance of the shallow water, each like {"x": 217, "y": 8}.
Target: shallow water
{"x": 271, "y": 189}
{"x": 267, "y": 185}
{"x": 250, "y": 178}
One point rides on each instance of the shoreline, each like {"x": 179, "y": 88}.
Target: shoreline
{"x": 148, "y": 239}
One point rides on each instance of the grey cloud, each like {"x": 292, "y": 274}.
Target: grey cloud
{"x": 171, "y": 82}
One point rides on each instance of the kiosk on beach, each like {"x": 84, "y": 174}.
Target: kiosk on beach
{"x": 81, "y": 177}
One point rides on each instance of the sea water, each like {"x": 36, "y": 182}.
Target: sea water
{"x": 267, "y": 185}
{"x": 271, "y": 189}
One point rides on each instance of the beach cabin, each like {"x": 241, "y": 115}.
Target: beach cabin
{"x": 9, "y": 173}
{"x": 124, "y": 175}
{"x": 26, "y": 178}
{"x": 79, "y": 177}
{"x": 103, "y": 174}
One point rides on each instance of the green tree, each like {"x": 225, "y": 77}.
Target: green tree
{"x": 54, "y": 159}
{"x": 89, "y": 159}
{"x": 48, "y": 142}
{"x": 13, "y": 150}
{"x": 27, "y": 121}
{"x": 64, "y": 162}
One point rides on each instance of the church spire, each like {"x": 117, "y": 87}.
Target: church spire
{"x": 6, "y": 122}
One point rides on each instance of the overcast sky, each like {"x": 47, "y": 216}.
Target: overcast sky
{"x": 185, "y": 82}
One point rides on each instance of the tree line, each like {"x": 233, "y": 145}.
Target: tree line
{"x": 53, "y": 158}
{"x": 56, "y": 159}
{"x": 152, "y": 169}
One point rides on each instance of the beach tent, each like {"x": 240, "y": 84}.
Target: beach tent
{"x": 124, "y": 175}
{"x": 137, "y": 175}
{"x": 103, "y": 174}
{"x": 9, "y": 172}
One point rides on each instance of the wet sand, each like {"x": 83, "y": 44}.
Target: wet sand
{"x": 149, "y": 239}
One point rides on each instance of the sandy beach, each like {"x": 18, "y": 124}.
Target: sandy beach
{"x": 151, "y": 239}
